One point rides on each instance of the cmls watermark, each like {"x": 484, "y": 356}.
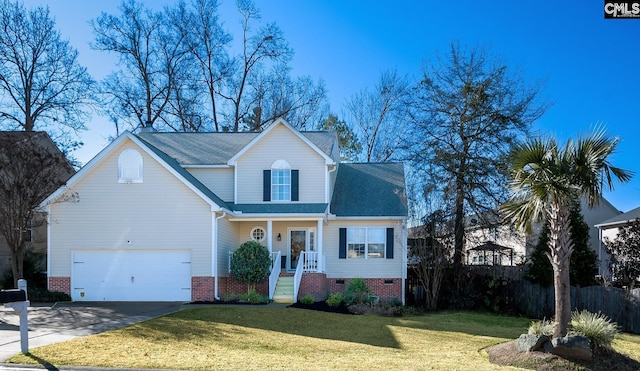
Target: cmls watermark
{"x": 622, "y": 9}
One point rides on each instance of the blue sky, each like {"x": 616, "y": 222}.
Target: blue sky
{"x": 591, "y": 66}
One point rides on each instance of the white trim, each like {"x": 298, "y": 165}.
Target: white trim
{"x": 279, "y": 121}
{"x": 107, "y": 150}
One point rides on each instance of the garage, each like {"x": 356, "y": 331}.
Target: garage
{"x": 125, "y": 275}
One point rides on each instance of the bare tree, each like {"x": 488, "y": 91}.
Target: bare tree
{"x": 429, "y": 256}
{"x": 150, "y": 57}
{"x": 300, "y": 101}
{"x": 266, "y": 44}
{"x": 207, "y": 42}
{"x": 468, "y": 112}
{"x": 380, "y": 117}
{"x": 31, "y": 167}
{"x": 42, "y": 84}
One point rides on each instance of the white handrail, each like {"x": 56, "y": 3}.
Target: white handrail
{"x": 297, "y": 277}
{"x": 310, "y": 261}
{"x": 275, "y": 273}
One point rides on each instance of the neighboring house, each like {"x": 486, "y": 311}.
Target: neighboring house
{"x": 36, "y": 236}
{"x": 156, "y": 216}
{"x": 609, "y": 229}
{"x": 493, "y": 241}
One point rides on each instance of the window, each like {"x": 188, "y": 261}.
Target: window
{"x": 280, "y": 181}
{"x": 130, "y": 166}
{"x": 258, "y": 234}
{"x": 366, "y": 243}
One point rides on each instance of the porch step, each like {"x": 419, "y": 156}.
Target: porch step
{"x": 284, "y": 290}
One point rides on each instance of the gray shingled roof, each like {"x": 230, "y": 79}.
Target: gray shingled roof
{"x": 274, "y": 208}
{"x": 622, "y": 218}
{"x": 187, "y": 175}
{"x": 369, "y": 189}
{"x": 217, "y": 148}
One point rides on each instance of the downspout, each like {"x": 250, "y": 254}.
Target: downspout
{"x": 404, "y": 261}
{"x": 214, "y": 258}
{"x": 329, "y": 192}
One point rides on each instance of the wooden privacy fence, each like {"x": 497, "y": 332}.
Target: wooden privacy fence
{"x": 536, "y": 301}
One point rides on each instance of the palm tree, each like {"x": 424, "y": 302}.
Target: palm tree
{"x": 545, "y": 179}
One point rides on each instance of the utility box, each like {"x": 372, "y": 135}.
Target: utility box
{"x": 11, "y": 296}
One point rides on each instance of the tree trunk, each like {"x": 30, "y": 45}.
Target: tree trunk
{"x": 560, "y": 249}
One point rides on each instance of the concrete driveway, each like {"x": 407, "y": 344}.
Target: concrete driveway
{"x": 58, "y": 322}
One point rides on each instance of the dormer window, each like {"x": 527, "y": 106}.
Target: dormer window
{"x": 130, "y": 166}
{"x": 280, "y": 182}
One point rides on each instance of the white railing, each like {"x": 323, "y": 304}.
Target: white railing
{"x": 310, "y": 261}
{"x": 275, "y": 272}
{"x": 297, "y": 277}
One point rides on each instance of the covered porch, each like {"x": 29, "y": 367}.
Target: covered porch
{"x": 295, "y": 245}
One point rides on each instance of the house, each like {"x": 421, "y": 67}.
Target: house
{"x": 502, "y": 244}
{"x": 489, "y": 240}
{"x": 156, "y": 216}
{"x": 35, "y": 237}
{"x": 608, "y": 229}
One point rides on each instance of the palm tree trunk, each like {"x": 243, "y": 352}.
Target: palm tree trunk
{"x": 560, "y": 249}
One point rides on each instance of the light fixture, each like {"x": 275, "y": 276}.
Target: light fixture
{"x": 279, "y": 237}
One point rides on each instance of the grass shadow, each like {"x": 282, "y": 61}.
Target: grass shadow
{"x": 370, "y": 330}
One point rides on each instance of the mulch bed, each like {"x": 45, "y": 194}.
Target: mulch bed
{"x": 323, "y": 307}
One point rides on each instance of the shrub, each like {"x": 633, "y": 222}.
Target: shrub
{"x": 45, "y": 296}
{"x": 307, "y": 299}
{"x": 251, "y": 264}
{"x": 596, "y": 326}
{"x": 335, "y": 300}
{"x": 253, "y": 297}
{"x": 544, "y": 327}
{"x": 357, "y": 292}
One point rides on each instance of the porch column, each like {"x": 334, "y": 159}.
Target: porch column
{"x": 269, "y": 235}
{"x": 319, "y": 243}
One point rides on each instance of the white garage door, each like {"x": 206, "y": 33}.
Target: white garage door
{"x": 121, "y": 275}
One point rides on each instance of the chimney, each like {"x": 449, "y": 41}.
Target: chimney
{"x": 147, "y": 128}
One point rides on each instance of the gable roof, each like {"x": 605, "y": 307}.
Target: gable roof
{"x": 217, "y": 149}
{"x": 621, "y": 219}
{"x": 170, "y": 164}
{"x": 369, "y": 189}
{"x": 321, "y": 137}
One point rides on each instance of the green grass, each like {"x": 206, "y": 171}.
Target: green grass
{"x": 219, "y": 337}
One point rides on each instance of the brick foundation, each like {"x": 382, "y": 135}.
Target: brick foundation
{"x": 385, "y": 288}
{"x": 315, "y": 284}
{"x": 228, "y": 286}
{"x": 202, "y": 288}
{"x": 60, "y": 284}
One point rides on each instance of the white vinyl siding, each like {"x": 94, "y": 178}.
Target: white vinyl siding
{"x": 219, "y": 181}
{"x": 281, "y": 144}
{"x": 159, "y": 214}
{"x": 362, "y": 268}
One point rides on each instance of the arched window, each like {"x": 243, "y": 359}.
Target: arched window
{"x": 280, "y": 181}
{"x": 130, "y": 166}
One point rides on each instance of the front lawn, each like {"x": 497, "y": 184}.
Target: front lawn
{"x": 261, "y": 337}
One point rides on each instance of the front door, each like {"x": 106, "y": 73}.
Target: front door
{"x": 299, "y": 240}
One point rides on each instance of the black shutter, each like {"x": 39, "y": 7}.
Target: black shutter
{"x": 295, "y": 194}
{"x": 389, "y": 253}
{"x": 266, "y": 185}
{"x": 342, "y": 251}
